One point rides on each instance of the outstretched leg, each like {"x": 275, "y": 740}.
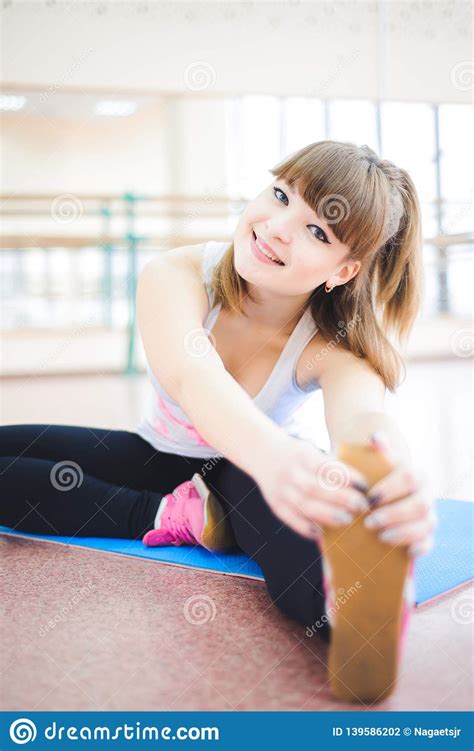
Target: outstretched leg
{"x": 290, "y": 563}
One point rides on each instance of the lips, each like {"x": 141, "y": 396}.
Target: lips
{"x": 267, "y": 247}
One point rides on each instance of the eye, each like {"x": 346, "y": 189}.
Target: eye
{"x": 320, "y": 233}
{"x": 277, "y": 190}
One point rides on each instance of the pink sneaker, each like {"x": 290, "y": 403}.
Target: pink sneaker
{"x": 191, "y": 515}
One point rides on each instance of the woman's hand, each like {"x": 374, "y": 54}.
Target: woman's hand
{"x": 404, "y": 508}
{"x": 307, "y": 488}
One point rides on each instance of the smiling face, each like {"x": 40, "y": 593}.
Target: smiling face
{"x": 289, "y": 229}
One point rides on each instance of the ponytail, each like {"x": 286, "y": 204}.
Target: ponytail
{"x": 398, "y": 266}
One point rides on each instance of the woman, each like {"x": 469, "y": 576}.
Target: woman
{"x": 323, "y": 268}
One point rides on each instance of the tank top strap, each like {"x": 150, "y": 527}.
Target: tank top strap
{"x": 304, "y": 331}
{"x": 212, "y": 253}
{"x": 284, "y": 370}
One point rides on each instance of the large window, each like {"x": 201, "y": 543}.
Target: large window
{"x": 408, "y": 140}
{"x": 303, "y": 123}
{"x": 353, "y": 120}
{"x": 254, "y": 144}
{"x": 456, "y": 126}
{"x": 457, "y": 194}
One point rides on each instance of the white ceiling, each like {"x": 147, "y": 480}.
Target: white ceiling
{"x": 405, "y": 50}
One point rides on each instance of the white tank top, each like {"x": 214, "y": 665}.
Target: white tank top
{"x": 164, "y": 424}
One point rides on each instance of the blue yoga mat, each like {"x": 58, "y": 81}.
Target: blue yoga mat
{"x": 449, "y": 564}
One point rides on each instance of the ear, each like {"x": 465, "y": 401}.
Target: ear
{"x": 348, "y": 271}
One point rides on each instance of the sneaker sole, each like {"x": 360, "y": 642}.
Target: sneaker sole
{"x": 217, "y": 533}
{"x": 364, "y": 647}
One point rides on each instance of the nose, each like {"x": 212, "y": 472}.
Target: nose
{"x": 278, "y": 231}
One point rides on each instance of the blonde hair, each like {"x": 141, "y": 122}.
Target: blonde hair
{"x": 372, "y": 206}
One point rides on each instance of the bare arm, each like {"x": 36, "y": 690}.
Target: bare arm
{"x": 172, "y": 304}
{"x": 354, "y": 402}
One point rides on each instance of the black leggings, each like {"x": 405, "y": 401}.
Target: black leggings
{"x": 90, "y": 482}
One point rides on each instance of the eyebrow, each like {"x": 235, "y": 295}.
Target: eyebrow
{"x": 293, "y": 191}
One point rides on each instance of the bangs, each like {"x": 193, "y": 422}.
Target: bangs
{"x": 343, "y": 188}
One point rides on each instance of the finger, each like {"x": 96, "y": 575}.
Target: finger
{"x": 321, "y": 513}
{"x": 406, "y": 534}
{"x": 297, "y": 522}
{"x": 414, "y": 507}
{"x": 334, "y": 472}
{"x": 317, "y": 531}
{"x": 348, "y": 500}
{"x": 345, "y": 473}
{"x": 403, "y": 481}
{"x": 329, "y": 488}
{"x": 357, "y": 479}
{"x": 421, "y": 548}
{"x": 379, "y": 441}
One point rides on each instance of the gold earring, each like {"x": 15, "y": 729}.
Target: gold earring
{"x": 330, "y": 288}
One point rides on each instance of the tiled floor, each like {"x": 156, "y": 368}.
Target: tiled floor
{"x": 120, "y": 638}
